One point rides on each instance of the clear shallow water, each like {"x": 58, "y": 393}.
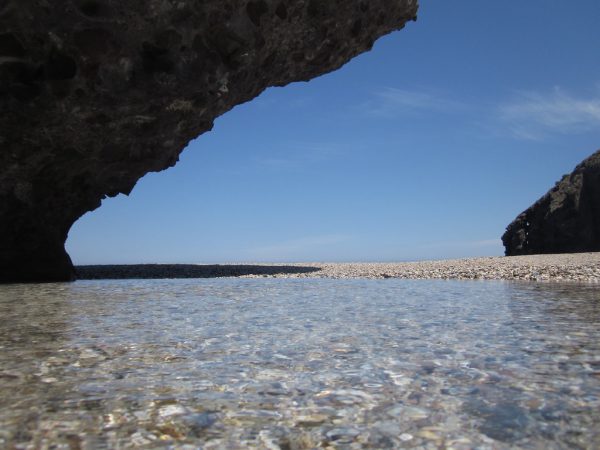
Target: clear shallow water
{"x": 295, "y": 364}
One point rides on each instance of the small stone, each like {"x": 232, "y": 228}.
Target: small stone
{"x": 311, "y": 419}
{"x": 49, "y": 380}
{"x": 198, "y": 423}
{"x": 142, "y": 415}
{"x": 342, "y": 434}
{"x": 171, "y": 410}
{"x": 428, "y": 435}
{"x": 139, "y": 439}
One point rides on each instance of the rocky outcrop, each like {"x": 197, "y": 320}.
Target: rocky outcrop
{"x": 96, "y": 93}
{"x": 565, "y": 220}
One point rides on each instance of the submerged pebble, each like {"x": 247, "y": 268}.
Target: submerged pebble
{"x": 299, "y": 364}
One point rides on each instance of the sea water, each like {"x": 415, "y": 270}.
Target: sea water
{"x": 299, "y": 364}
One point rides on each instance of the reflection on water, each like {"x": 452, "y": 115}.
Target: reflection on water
{"x": 297, "y": 364}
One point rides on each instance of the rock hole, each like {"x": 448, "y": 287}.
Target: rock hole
{"x": 229, "y": 46}
{"x": 25, "y": 92}
{"x": 313, "y": 8}
{"x": 100, "y": 120}
{"x": 60, "y": 67}
{"x": 36, "y": 74}
{"x": 93, "y": 8}
{"x": 81, "y": 181}
{"x": 183, "y": 15}
{"x": 255, "y": 10}
{"x": 320, "y": 8}
{"x": 10, "y": 46}
{"x": 19, "y": 71}
{"x": 156, "y": 59}
{"x": 198, "y": 44}
{"x": 93, "y": 41}
{"x": 356, "y": 28}
{"x": 259, "y": 41}
{"x": 168, "y": 38}
{"x": 281, "y": 11}
{"x": 200, "y": 100}
{"x": 269, "y": 61}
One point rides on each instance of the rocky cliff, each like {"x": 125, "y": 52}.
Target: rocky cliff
{"x": 96, "y": 93}
{"x": 566, "y": 219}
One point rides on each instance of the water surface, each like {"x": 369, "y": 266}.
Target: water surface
{"x": 298, "y": 364}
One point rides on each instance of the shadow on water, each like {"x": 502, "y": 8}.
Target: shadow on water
{"x": 26, "y": 321}
{"x": 159, "y": 271}
{"x": 34, "y": 326}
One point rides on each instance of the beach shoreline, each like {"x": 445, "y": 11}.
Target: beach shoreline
{"x": 568, "y": 267}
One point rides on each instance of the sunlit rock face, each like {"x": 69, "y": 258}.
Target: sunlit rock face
{"x": 96, "y": 93}
{"x": 566, "y": 219}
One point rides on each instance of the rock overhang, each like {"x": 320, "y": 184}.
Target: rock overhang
{"x": 96, "y": 93}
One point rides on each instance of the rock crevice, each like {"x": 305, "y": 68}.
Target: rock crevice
{"x": 96, "y": 93}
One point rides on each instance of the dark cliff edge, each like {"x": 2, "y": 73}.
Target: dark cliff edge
{"x": 565, "y": 220}
{"x": 96, "y": 93}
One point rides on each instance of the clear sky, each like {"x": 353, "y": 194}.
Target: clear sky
{"x": 426, "y": 147}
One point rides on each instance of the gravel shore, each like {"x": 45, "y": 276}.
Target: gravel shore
{"x": 583, "y": 267}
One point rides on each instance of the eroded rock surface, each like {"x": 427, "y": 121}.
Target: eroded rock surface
{"x": 96, "y": 93}
{"x": 565, "y": 220}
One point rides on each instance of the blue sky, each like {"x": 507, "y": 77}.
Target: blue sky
{"x": 424, "y": 148}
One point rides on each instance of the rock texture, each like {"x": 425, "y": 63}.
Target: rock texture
{"x": 565, "y": 220}
{"x": 96, "y": 93}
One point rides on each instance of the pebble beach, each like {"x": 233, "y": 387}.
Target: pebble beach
{"x": 570, "y": 267}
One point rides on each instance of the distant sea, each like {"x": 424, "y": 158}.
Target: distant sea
{"x": 299, "y": 363}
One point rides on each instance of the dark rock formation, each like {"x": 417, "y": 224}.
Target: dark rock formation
{"x": 96, "y": 93}
{"x": 565, "y": 220}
